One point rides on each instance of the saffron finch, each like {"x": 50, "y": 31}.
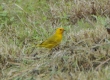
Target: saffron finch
{"x": 54, "y": 40}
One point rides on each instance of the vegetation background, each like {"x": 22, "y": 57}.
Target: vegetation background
{"x": 84, "y": 53}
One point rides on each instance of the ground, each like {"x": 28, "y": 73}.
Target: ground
{"x": 84, "y": 53}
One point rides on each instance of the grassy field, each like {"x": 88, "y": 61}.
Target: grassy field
{"x": 84, "y": 53}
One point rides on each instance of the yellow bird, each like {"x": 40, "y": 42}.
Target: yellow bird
{"x": 54, "y": 40}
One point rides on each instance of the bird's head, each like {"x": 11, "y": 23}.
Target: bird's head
{"x": 60, "y": 30}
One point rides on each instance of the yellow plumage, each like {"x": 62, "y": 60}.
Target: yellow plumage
{"x": 53, "y": 40}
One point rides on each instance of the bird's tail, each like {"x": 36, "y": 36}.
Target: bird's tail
{"x": 38, "y": 45}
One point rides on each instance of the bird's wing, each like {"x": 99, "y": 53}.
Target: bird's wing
{"x": 51, "y": 40}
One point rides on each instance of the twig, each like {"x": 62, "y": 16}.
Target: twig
{"x": 98, "y": 67}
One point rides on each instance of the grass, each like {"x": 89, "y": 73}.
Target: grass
{"x": 83, "y": 53}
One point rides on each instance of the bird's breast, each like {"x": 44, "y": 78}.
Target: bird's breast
{"x": 59, "y": 38}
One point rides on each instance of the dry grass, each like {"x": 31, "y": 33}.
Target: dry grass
{"x": 80, "y": 57}
{"x": 83, "y": 53}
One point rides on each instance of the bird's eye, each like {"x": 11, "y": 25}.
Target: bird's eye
{"x": 60, "y": 29}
